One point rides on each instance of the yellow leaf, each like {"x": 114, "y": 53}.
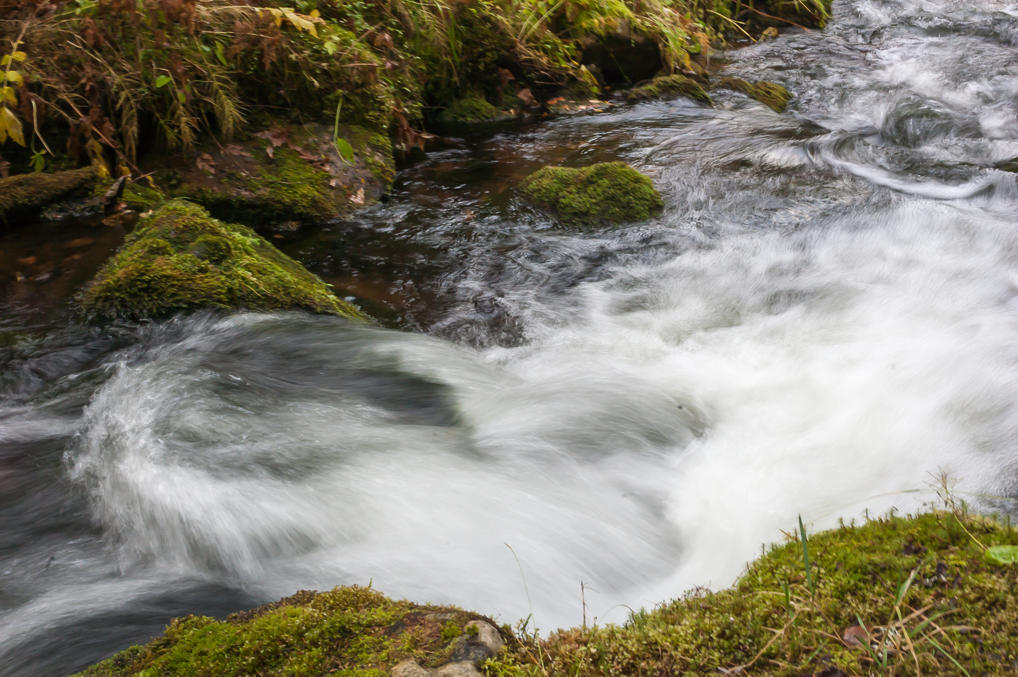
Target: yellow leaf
{"x": 15, "y": 77}
{"x": 18, "y": 56}
{"x": 13, "y": 126}
{"x": 7, "y": 95}
{"x": 314, "y": 14}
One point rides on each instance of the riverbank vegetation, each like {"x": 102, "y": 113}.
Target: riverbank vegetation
{"x": 929, "y": 594}
{"x": 109, "y": 81}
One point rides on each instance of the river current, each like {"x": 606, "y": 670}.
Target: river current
{"x": 823, "y": 322}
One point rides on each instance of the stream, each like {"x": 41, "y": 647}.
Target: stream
{"x": 823, "y": 322}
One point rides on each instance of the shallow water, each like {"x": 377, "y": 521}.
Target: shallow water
{"x": 820, "y": 324}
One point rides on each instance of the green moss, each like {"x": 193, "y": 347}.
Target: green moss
{"x": 142, "y": 195}
{"x": 470, "y": 110}
{"x": 23, "y": 195}
{"x": 1009, "y": 165}
{"x": 181, "y": 259}
{"x": 375, "y": 150}
{"x": 669, "y": 86}
{"x": 768, "y": 93}
{"x": 350, "y": 631}
{"x": 604, "y": 193}
{"x": 952, "y": 601}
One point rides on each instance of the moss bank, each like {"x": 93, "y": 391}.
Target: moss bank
{"x": 893, "y": 596}
{"x": 602, "y": 194}
{"x": 181, "y": 259}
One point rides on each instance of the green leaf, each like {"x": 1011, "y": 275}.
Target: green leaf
{"x": 1003, "y": 554}
{"x": 7, "y": 95}
{"x": 11, "y": 126}
{"x": 38, "y": 161}
{"x": 220, "y": 54}
{"x": 15, "y": 78}
{"x": 345, "y": 149}
{"x": 162, "y": 81}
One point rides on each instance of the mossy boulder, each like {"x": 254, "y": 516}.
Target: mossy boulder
{"x": 769, "y": 94}
{"x": 473, "y": 112}
{"x": 288, "y": 174}
{"x": 1009, "y": 165}
{"x": 602, "y": 194}
{"x": 669, "y": 86}
{"x": 349, "y": 631}
{"x": 24, "y": 196}
{"x": 180, "y": 259}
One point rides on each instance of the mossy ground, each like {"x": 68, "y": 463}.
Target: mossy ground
{"x": 893, "y": 596}
{"x": 181, "y": 259}
{"x": 769, "y": 94}
{"x": 668, "y": 86}
{"x": 352, "y": 631}
{"x": 897, "y": 595}
{"x": 601, "y": 194}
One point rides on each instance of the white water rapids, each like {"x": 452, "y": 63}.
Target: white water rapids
{"x": 824, "y": 320}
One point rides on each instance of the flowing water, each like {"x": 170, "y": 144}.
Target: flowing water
{"x": 823, "y": 320}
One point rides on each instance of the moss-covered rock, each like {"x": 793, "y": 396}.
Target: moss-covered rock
{"x": 669, "y": 86}
{"x": 349, "y": 631}
{"x": 769, "y": 94}
{"x": 289, "y": 173}
{"x": 601, "y": 194}
{"x": 473, "y": 111}
{"x": 25, "y": 195}
{"x": 1009, "y": 165}
{"x": 181, "y": 259}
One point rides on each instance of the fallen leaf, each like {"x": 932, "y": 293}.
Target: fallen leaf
{"x": 527, "y": 97}
{"x": 205, "y": 163}
{"x": 855, "y": 635}
{"x": 28, "y": 260}
{"x": 236, "y": 150}
{"x": 276, "y": 137}
{"x": 358, "y": 197}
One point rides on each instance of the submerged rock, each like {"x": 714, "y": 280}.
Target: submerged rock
{"x": 180, "y": 259}
{"x": 769, "y": 94}
{"x": 669, "y": 86}
{"x": 288, "y": 174}
{"x": 24, "y": 196}
{"x": 601, "y": 194}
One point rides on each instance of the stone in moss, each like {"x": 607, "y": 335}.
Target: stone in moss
{"x": 601, "y": 194}
{"x": 347, "y": 631}
{"x": 669, "y": 86}
{"x": 181, "y": 259}
{"x": 25, "y": 195}
{"x": 768, "y": 93}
